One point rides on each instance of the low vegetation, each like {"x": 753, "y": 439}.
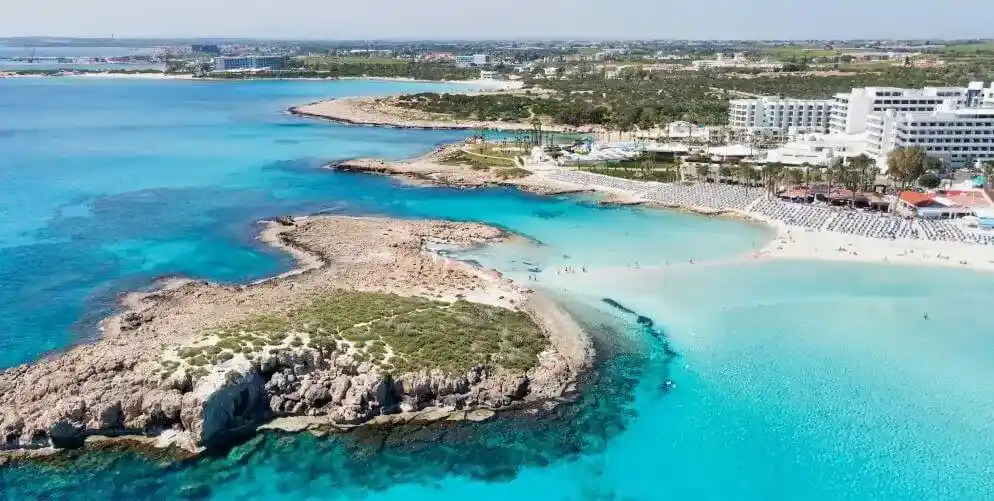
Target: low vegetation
{"x": 511, "y": 173}
{"x": 400, "y": 334}
{"x": 637, "y": 98}
{"x": 479, "y": 161}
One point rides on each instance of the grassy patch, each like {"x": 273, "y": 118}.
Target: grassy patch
{"x": 478, "y": 161}
{"x": 511, "y": 173}
{"x": 401, "y": 334}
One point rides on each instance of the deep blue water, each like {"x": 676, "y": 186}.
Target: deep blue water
{"x": 792, "y": 380}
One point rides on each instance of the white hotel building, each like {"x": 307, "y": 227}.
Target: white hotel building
{"x": 779, "y": 116}
{"x": 954, "y": 124}
{"x": 958, "y": 136}
{"x": 850, "y": 110}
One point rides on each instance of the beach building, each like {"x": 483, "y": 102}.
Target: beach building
{"x": 671, "y": 149}
{"x": 928, "y": 206}
{"x": 775, "y": 116}
{"x": 737, "y": 61}
{"x": 850, "y": 110}
{"x": 960, "y": 137}
{"x": 817, "y": 149}
{"x": 945, "y": 204}
{"x": 686, "y": 130}
{"x": 730, "y": 151}
{"x": 491, "y": 75}
{"x": 250, "y": 63}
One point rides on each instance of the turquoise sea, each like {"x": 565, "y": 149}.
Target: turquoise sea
{"x": 721, "y": 380}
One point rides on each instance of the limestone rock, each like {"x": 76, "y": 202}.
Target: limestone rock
{"x": 232, "y": 395}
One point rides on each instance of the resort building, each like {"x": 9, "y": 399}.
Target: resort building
{"x": 850, "y": 110}
{"x": 472, "y": 60}
{"x": 250, "y": 63}
{"x": 491, "y": 75}
{"x": 738, "y": 61}
{"x": 778, "y": 116}
{"x": 686, "y": 130}
{"x": 939, "y": 205}
{"x": 958, "y": 136}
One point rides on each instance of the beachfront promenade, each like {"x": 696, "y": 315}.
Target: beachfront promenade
{"x": 754, "y": 203}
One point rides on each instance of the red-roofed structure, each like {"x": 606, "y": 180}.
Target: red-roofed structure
{"x": 918, "y": 200}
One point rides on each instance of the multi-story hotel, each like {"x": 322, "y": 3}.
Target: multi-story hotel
{"x": 850, "y": 110}
{"x": 954, "y": 124}
{"x": 250, "y": 63}
{"x": 779, "y": 116}
{"x": 958, "y": 136}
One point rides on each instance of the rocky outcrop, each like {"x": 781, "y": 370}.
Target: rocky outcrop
{"x": 231, "y": 397}
{"x": 120, "y": 386}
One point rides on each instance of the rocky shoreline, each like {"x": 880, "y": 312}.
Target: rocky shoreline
{"x": 430, "y": 170}
{"x": 380, "y": 112}
{"x": 127, "y": 385}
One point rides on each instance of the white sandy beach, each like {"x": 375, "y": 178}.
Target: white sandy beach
{"x": 793, "y": 242}
{"x": 798, "y": 242}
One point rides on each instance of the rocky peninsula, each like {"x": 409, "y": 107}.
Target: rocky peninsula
{"x": 373, "y": 326}
{"x": 439, "y": 169}
{"x": 386, "y": 112}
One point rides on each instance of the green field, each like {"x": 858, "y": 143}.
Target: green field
{"x": 797, "y": 52}
{"x": 986, "y": 48}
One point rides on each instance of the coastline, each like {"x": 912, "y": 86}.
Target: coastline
{"x": 428, "y": 170}
{"x": 475, "y": 85}
{"x": 125, "y": 401}
{"x": 788, "y": 241}
{"x": 376, "y": 111}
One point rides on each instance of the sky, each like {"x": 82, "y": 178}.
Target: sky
{"x": 438, "y": 19}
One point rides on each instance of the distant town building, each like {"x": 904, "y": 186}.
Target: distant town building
{"x": 206, "y": 49}
{"x": 778, "y": 116}
{"x": 250, "y": 63}
{"x": 491, "y": 75}
{"x": 467, "y": 61}
{"x": 438, "y": 56}
{"x": 738, "y": 61}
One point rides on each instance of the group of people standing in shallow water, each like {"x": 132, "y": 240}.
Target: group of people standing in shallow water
{"x": 559, "y": 271}
{"x": 570, "y": 269}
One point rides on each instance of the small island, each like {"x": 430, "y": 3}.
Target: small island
{"x": 372, "y": 327}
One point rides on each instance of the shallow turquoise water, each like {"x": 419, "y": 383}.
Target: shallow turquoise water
{"x": 792, "y": 380}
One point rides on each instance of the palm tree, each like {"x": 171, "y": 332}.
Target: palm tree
{"x": 856, "y": 174}
{"x": 795, "y": 176}
{"x": 772, "y": 175}
{"x": 703, "y": 170}
{"x": 807, "y": 173}
{"x": 742, "y": 173}
{"x": 724, "y": 172}
{"x": 832, "y": 173}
